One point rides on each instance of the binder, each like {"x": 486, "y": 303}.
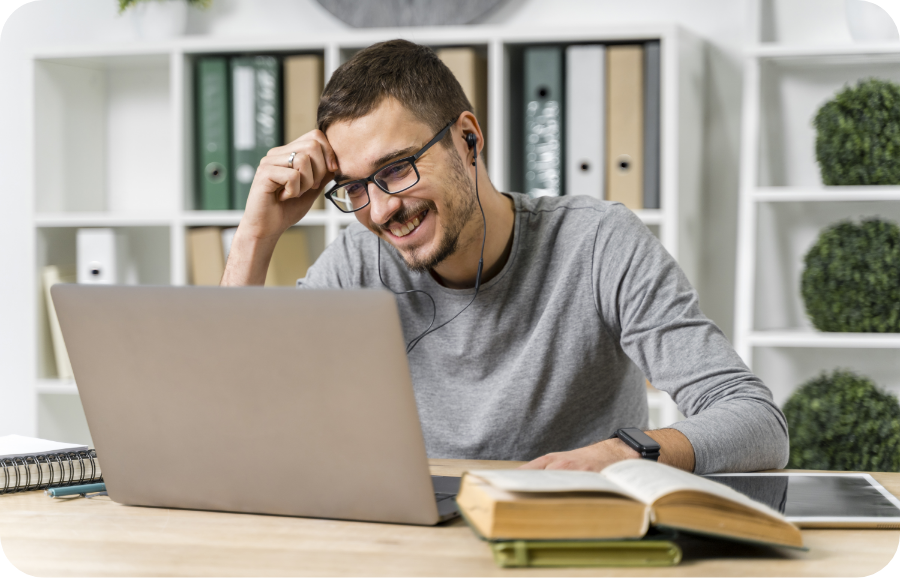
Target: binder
{"x": 625, "y": 123}
{"x": 100, "y": 256}
{"x": 290, "y": 259}
{"x": 51, "y": 276}
{"x": 33, "y": 464}
{"x": 470, "y": 69}
{"x": 587, "y": 553}
{"x": 304, "y": 76}
{"x": 207, "y": 263}
{"x": 213, "y": 135}
{"x": 256, "y": 119}
{"x": 543, "y": 93}
{"x": 585, "y": 120}
{"x": 652, "y": 101}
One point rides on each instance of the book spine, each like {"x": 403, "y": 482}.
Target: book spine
{"x": 213, "y": 135}
{"x": 652, "y": 89}
{"x": 206, "y": 259}
{"x": 49, "y": 471}
{"x": 256, "y": 104}
{"x": 304, "y": 76}
{"x": 543, "y": 120}
{"x": 625, "y": 123}
{"x": 52, "y": 276}
{"x": 585, "y": 112}
{"x": 470, "y": 69}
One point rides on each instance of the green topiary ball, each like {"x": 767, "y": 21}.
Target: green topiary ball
{"x": 852, "y": 278}
{"x": 843, "y": 421}
{"x": 858, "y": 140}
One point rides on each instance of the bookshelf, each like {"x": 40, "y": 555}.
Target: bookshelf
{"x": 783, "y": 206}
{"x": 119, "y": 119}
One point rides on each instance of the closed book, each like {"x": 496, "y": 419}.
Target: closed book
{"x": 213, "y": 134}
{"x": 469, "y": 67}
{"x": 101, "y": 256}
{"x": 256, "y": 119}
{"x": 205, "y": 256}
{"x": 620, "y": 502}
{"x": 304, "y": 76}
{"x": 290, "y": 259}
{"x": 585, "y": 120}
{"x": 652, "y": 95}
{"x": 585, "y": 553}
{"x": 625, "y": 125}
{"x": 543, "y": 94}
{"x": 35, "y": 464}
{"x": 52, "y": 275}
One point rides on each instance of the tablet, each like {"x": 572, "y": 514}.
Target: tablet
{"x": 843, "y": 500}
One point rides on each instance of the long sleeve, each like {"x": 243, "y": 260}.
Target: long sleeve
{"x": 642, "y": 294}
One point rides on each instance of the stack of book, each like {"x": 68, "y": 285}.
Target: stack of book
{"x": 626, "y": 515}
{"x": 592, "y": 122}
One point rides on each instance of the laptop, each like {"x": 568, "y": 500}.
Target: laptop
{"x": 257, "y": 400}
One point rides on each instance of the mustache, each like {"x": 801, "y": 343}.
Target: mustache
{"x": 407, "y": 213}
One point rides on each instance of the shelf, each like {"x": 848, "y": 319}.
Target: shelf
{"x": 232, "y": 218}
{"x": 808, "y": 338}
{"x": 778, "y": 50}
{"x": 56, "y": 387}
{"x": 47, "y": 220}
{"x": 812, "y": 194}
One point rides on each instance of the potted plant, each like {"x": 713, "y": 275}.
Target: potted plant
{"x": 159, "y": 19}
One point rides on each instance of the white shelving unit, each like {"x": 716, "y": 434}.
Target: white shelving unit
{"x": 784, "y": 205}
{"x": 119, "y": 119}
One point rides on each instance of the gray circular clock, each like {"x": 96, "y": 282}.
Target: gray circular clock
{"x": 389, "y": 13}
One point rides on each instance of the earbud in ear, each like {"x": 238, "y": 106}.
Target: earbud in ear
{"x": 472, "y": 140}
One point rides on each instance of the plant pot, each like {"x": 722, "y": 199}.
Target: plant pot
{"x": 870, "y": 23}
{"x": 159, "y": 19}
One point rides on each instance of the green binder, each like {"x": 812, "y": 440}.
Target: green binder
{"x": 256, "y": 119}
{"x": 555, "y": 554}
{"x": 213, "y": 135}
{"x": 543, "y": 92}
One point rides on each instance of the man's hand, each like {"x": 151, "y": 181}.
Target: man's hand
{"x": 675, "y": 450}
{"x": 281, "y": 194}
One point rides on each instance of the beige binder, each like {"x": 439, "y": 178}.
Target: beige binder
{"x": 207, "y": 261}
{"x": 470, "y": 69}
{"x": 625, "y": 122}
{"x": 303, "y": 78}
{"x": 290, "y": 259}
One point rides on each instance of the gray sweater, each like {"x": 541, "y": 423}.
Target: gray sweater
{"x": 552, "y": 354}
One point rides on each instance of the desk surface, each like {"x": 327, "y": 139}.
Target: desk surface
{"x": 97, "y": 537}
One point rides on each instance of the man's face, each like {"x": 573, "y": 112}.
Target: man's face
{"x": 425, "y": 222}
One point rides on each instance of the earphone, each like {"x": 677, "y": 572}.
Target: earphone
{"x": 471, "y": 141}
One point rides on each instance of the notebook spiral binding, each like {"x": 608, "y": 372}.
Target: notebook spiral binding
{"x": 17, "y": 472}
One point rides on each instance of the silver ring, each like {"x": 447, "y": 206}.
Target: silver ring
{"x": 291, "y": 160}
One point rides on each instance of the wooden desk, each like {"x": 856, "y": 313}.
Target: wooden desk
{"x": 97, "y": 537}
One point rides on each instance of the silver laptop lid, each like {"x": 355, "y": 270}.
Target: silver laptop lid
{"x": 273, "y": 401}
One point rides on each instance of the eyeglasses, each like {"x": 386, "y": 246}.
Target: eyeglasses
{"x": 393, "y": 178}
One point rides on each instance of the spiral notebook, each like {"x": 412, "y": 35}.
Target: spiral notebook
{"x": 36, "y": 464}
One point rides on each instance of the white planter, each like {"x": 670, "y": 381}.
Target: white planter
{"x": 870, "y": 23}
{"x": 159, "y": 19}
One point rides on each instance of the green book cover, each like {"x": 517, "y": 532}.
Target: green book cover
{"x": 543, "y": 92}
{"x": 569, "y": 553}
{"x": 256, "y": 119}
{"x": 213, "y": 135}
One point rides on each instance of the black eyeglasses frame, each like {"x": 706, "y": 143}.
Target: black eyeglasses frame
{"x": 371, "y": 178}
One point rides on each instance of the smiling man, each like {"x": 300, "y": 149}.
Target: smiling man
{"x": 546, "y": 349}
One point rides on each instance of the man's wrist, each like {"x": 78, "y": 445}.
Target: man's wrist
{"x": 622, "y": 450}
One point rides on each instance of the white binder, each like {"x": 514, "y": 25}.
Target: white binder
{"x": 585, "y": 120}
{"x": 101, "y": 256}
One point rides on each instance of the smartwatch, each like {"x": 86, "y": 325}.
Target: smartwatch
{"x": 639, "y": 441}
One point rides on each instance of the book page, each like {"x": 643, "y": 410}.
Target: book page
{"x": 16, "y": 446}
{"x": 551, "y": 481}
{"x": 650, "y": 481}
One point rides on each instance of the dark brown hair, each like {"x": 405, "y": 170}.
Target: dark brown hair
{"x": 411, "y": 73}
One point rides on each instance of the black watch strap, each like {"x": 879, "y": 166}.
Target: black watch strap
{"x": 639, "y": 442}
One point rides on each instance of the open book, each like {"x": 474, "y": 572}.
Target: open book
{"x": 620, "y": 502}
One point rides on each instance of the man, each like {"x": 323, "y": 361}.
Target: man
{"x": 577, "y": 300}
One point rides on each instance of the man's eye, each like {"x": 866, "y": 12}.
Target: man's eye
{"x": 355, "y": 190}
{"x": 396, "y": 171}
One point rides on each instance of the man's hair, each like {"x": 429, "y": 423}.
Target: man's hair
{"x": 410, "y": 73}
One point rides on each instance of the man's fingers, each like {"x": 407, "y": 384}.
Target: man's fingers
{"x": 307, "y": 142}
{"x": 537, "y": 464}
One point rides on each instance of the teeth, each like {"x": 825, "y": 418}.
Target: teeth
{"x": 396, "y": 232}
{"x": 406, "y": 229}
{"x": 416, "y": 222}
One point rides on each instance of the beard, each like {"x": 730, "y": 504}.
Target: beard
{"x": 459, "y": 206}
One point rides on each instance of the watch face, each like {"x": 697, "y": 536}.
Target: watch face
{"x": 638, "y": 440}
